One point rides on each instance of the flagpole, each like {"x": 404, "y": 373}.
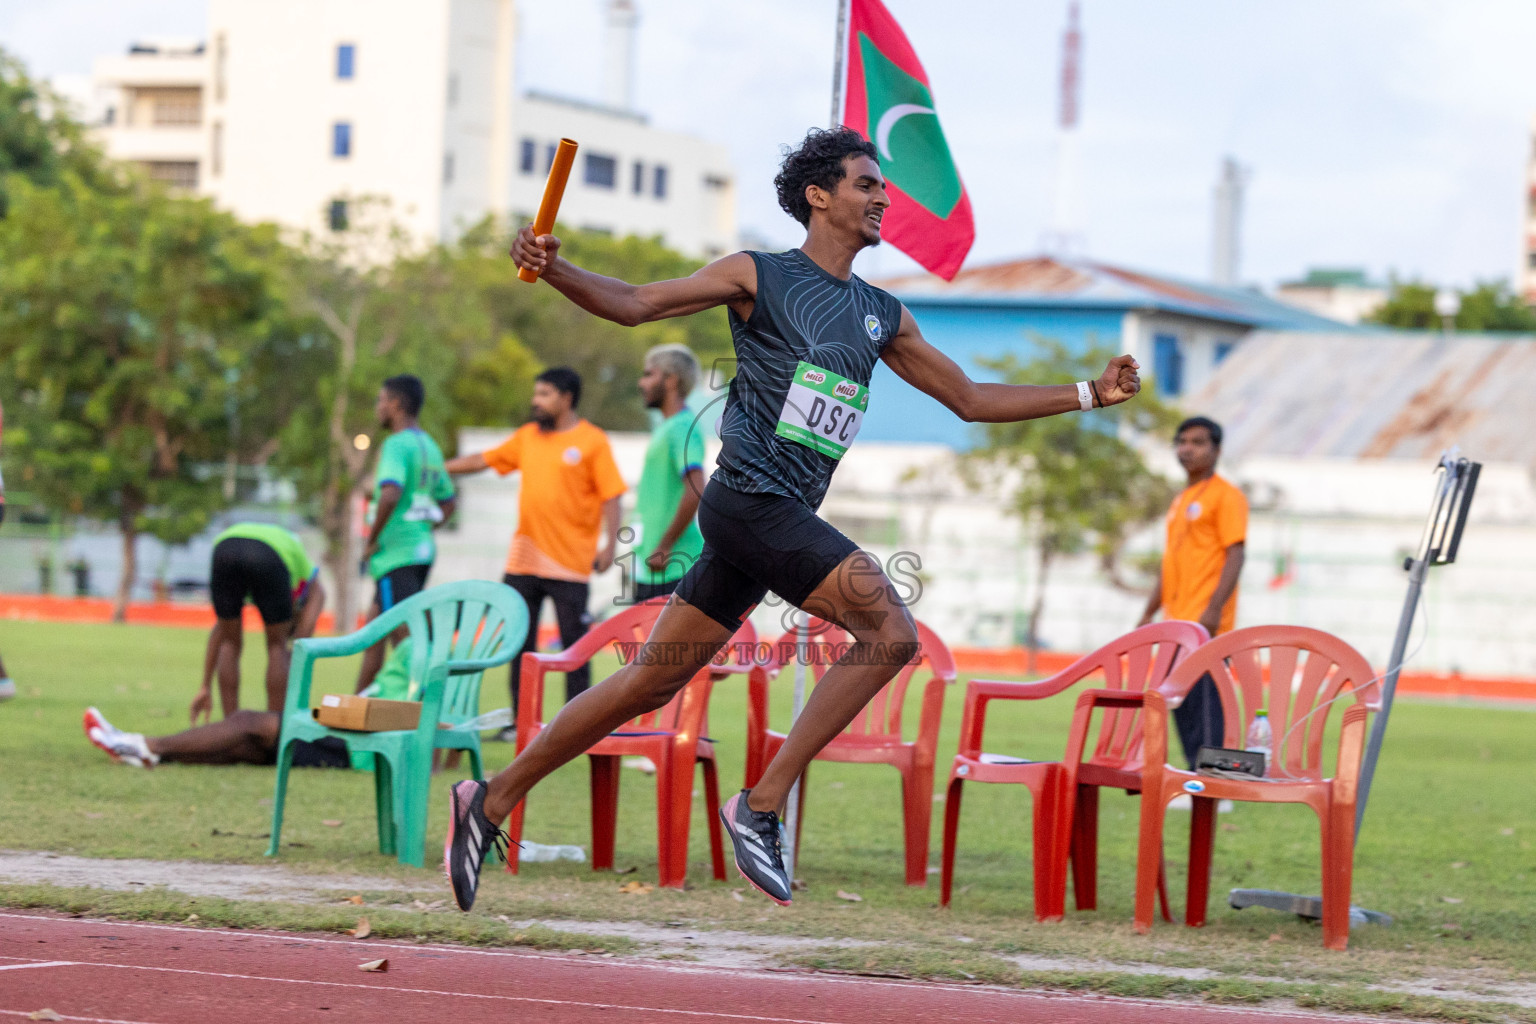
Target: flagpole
{"x": 837, "y": 64}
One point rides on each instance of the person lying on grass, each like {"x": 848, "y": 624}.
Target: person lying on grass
{"x": 245, "y": 737}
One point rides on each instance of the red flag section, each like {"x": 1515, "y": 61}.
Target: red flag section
{"x": 887, "y": 99}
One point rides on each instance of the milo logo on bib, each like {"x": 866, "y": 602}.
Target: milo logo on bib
{"x": 822, "y": 410}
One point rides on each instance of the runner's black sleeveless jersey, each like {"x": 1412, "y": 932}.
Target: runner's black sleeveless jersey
{"x": 801, "y": 314}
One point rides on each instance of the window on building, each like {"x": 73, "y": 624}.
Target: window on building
{"x": 338, "y": 215}
{"x": 715, "y": 183}
{"x": 526, "y": 151}
{"x": 1224, "y": 349}
{"x": 549, "y": 157}
{"x": 1530, "y": 260}
{"x": 1168, "y": 364}
{"x": 453, "y": 89}
{"x": 176, "y": 108}
{"x": 220, "y": 56}
{"x": 447, "y": 168}
{"x": 637, "y": 178}
{"x": 180, "y": 174}
{"x": 346, "y": 60}
{"x": 341, "y": 139}
{"x": 216, "y": 150}
{"x": 659, "y": 182}
{"x": 601, "y": 171}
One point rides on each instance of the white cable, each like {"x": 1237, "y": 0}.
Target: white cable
{"x": 1352, "y": 690}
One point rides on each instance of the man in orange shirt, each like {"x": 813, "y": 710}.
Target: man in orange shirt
{"x": 570, "y": 492}
{"x": 1207, "y": 529}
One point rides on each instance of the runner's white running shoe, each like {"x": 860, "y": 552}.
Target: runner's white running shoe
{"x": 123, "y": 747}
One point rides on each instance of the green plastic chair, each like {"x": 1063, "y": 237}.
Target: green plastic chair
{"x": 457, "y": 631}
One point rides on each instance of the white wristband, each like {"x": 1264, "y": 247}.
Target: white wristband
{"x": 1084, "y": 396}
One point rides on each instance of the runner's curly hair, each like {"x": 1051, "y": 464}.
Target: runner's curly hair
{"x": 818, "y": 161}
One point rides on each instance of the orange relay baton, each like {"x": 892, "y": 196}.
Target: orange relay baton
{"x": 554, "y": 190}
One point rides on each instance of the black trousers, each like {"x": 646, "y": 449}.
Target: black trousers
{"x": 1199, "y": 719}
{"x": 570, "y": 600}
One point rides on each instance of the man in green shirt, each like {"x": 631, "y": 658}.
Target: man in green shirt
{"x": 412, "y": 496}
{"x": 673, "y": 477}
{"x": 269, "y": 565}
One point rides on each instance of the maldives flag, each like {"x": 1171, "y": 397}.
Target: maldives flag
{"x": 887, "y": 100}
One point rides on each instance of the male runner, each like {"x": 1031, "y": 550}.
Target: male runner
{"x": 673, "y": 478}
{"x": 412, "y": 496}
{"x": 807, "y": 333}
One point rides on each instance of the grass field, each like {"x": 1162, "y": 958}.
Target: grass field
{"x": 1447, "y": 848}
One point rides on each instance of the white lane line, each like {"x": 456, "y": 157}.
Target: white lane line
{"x": 64, "y": 1016}
{"x": 40, "y": 963}
{"x": 378, "y": 990}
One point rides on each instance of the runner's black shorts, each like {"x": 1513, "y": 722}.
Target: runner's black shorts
{"x": 245, "y": 567}
{"x": 754, "y": 543}
{"x": 398, "y": 584}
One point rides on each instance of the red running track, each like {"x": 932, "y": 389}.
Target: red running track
{"x": 124, "y": 973}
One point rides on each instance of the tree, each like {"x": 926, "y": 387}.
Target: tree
{"x": 1078, "y": 480}
{"x": 125, "y": 319}
{"x": 39, "y": 141}
{"x": 1490, "y": 306}
{"x": 375, "y": 304}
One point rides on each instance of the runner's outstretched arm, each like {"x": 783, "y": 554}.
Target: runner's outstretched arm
{"x": 932, "y": 372}
{"x": 730, "y": 280}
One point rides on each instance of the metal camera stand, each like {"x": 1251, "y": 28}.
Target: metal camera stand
{"x": 1457, "y": 480}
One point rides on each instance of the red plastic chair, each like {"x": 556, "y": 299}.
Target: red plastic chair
{"x": 1264, "y": 667}
{"x": 875, "y": 736}
{"x": 1066, "y": 793}
{"x": 672, "y": 737}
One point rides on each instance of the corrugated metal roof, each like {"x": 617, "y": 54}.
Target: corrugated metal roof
{"x": 1378, "y": 394}
{"x": 1047, "y": 281}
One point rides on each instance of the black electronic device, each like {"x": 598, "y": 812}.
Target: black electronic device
{"x": 1213, "y": 760}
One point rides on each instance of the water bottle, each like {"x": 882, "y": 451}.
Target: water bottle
{"x": 1260, "y": 738}
{"x": 539, "y": 853}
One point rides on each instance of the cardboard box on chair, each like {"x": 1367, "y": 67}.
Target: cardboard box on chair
{"x": 366, "y": 714}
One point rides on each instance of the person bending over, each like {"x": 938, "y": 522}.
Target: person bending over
{"x": 268, "y": 565}
{"x": 807, "y": 333}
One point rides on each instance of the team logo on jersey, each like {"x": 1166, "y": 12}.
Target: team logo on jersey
{"x": 872, "y": 327}
{"x": 1194, "y": 510}
{"x": 571, "y": 455}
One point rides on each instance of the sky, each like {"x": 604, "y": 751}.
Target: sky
{"x": 1391, "y": 135}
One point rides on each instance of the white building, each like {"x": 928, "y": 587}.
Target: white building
{"x": 149, "y": 105}
{"x": 1344, "y": 294}
{"x": 294, "y": 109}
{"x": 629, "y": 178}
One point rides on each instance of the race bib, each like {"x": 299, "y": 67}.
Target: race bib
{"x": 423, "y": 510}
{"x": 822, "y": 410}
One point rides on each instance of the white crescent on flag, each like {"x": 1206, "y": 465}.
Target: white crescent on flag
{"x": 888, "y": 122}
